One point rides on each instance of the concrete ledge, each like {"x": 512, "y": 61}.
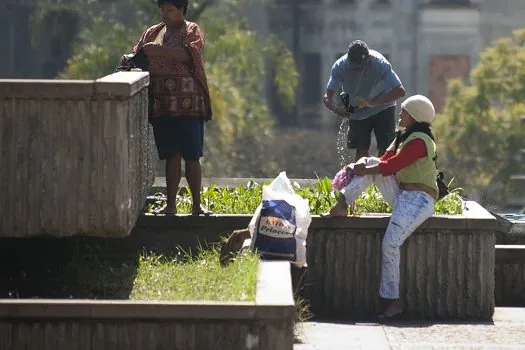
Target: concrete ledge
{"x": 120, "y": 84}
{"x": 510, "y": 254}
{"x": 447, "y": 264}
{"x": 274, "y": 286}
{"x": 266, "y": 323}
{"x": 369, "y": 221}
{"x": 119, "y": 309}
{"x": 27, "y": 89}
{"x": 62, "y": 142}
{"x": 474, "y": 217}
{"x": 509, "y": 230}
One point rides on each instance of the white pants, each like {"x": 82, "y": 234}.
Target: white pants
{"x": 409, "y": 210}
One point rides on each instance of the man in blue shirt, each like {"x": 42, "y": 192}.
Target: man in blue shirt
{"x": 373, "y": 88}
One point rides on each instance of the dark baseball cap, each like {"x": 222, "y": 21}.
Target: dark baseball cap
{"x": 358, "y": 54}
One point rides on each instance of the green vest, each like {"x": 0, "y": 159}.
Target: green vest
{"x": 423, "y": 170}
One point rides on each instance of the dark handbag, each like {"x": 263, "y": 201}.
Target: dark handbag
{"x": 135, "y": 60}
{"x": 442, "y": 186}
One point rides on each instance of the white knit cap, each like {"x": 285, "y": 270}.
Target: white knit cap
{"x": 420, "y": 108}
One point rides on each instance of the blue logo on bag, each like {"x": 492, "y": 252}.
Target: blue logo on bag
{"x": 277, "y": 219}
{"x": 276, "y": 230}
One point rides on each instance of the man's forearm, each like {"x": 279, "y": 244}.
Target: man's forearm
{"x": 337, "y": 110}
{"x": 392, "y": 96}
{"x": 329, "y": 103}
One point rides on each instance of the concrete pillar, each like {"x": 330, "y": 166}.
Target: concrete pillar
{"x": 327, "y": 59}
{"x": 405, "y": 28}
{"x": 77, "y": 156}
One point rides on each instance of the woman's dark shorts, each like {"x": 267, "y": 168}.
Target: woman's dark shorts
{"x": 383, "y": 124}
{"x": 179, "y": 135}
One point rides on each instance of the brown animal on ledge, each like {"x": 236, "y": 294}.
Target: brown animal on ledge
{"x": 232, "y": 246}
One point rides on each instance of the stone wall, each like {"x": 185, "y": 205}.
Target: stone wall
{"x": 265, "y": 324}
{"x": 510, "y": 283}
{"x": 447, "y": 264}
{"x": 447, "y": 272}
{"x": 450, "y": 267}
{"x": 510, "y": 267}
{"x": 76, "y": 155}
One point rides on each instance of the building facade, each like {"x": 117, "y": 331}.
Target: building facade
{"x": 17, "y": 60}
{"x": 427, "y": 41}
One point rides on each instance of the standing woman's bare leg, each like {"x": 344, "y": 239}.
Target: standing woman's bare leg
{"x": 173, "y": 175}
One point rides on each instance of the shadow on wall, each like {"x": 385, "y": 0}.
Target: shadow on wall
{"x": 46, "y": 267}
{"x": 91, "y": 267}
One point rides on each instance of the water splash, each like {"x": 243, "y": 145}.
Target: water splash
{"x": 345, "y": 156}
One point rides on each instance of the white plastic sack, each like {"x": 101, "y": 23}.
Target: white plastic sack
{"x": 279, "y": 226}
{"x": 387, "y": 185}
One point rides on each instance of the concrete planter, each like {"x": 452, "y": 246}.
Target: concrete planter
{"x": 447, "y": 267}
{"x": 77, "y": 156}
{"x": 448, "y": 264}
{"x": 264, "y": 324}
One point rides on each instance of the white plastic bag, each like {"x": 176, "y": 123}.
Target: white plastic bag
{"x": 279, "y": 226}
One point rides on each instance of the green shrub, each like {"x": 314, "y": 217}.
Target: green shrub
{"x": 244, "y": 199}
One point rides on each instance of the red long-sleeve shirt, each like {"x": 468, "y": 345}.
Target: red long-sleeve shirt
{"x": 391, "y": 162}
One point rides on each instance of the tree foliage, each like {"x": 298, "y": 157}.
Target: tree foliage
{"x": 482, "y": 130}
{"x": 237, "y": 63}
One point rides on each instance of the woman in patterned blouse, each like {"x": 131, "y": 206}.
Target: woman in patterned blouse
{"x": 179, "y": 97}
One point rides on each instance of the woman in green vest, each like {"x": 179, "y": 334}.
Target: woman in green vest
{"x": 406, "y": 177}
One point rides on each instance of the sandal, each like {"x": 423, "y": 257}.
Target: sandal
{"x": 167, "y": 212}
{"x": 393, "y": 310}
{"x": 202, "y": 211}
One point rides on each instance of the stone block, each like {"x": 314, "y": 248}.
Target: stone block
{"x": 77, "y": 156}
{"x": 266, "y": 324}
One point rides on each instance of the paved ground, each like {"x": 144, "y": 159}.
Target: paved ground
{"x": 507, "y": 331}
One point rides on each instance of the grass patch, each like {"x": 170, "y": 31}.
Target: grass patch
{"x": 199, "y": 277}
{"x": 244, "y": 199}
{"x": 80, "y": 268}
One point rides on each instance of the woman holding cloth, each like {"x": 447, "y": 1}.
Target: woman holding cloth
{"x": 406, "y": 177}
{"x": 179, "y": 98}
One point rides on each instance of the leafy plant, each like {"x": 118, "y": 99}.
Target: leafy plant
{"x": 237, "y": 60}
{"x": 244, "y": 199}
{"x": 481, "y": 127}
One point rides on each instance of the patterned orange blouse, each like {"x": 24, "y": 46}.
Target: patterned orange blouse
{"x": 177, "y": 88}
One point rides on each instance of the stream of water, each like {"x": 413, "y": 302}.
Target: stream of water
{"x": 345, "y": 156}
